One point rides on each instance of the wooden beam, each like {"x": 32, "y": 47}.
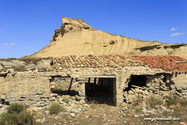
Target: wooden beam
{"x": 103, "y": 76}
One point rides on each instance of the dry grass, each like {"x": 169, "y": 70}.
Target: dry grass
{"x": 92, "y": 103}
{"x": 138, "y": 108}
{"x": 137, "y": 101}
{"x": 21, "y": 69}
{"x": 176, "y": 102}
{"x": 8, "y": 59}
{"x": 137, "y": 104}
{"x": 176, "y": 107}
{"x": 152, "y": 101}
{"x": 29, "y": 60}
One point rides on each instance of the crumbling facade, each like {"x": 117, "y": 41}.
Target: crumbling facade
{"x": 114, "y": 78}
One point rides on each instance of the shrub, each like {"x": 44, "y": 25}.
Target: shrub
{"x": 172, "y": 100}
{"x": 152, "y": 101}
{"x": 55, "y": 108}
{"x": 26, "y": 118}
{"x": 15, "y": 107}
{"x": 9, "y": 119}
{"x": 17, "y": 115}
{"x": 66, "y": 100}
{"x": 137, "y": 101}
{"x": 183, "y": 102}
{"x": 19, "y": 69}
{"x": 175, "y": 102}
{"x": 136, "y": 104}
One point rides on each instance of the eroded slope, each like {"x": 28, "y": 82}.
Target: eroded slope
{"x": 75, "y": 37}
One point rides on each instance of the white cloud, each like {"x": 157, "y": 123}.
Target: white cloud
{"x": 6, "y": 44}
{"x": 172, "y": 29}
{"x": 12, "y": 44}
{"x": 182, "y": 33}
{"x": 176, "y": 34}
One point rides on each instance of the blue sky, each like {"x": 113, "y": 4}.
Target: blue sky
{"x": 27, "y": 26}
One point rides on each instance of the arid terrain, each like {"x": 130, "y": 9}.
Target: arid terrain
{"x": 89, "y": 77}
{"x": 103, "y": 114}
{"x": 75, "y": 37}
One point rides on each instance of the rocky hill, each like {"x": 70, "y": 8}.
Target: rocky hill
{"x": 75, "y": 37}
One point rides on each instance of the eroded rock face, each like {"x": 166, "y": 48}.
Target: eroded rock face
{"x": 1, "y": 67}
{"x": 181, "y": 52}
{"x": 73, "y": 25}
{"x": 75, "y": 37}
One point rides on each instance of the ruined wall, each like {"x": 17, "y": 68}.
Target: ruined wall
{"x": 26, "y": 88}
{"x": 39, "y": 89}
{"x": 34, "y": 90}
{"x": 159, "y": 85}
{"x": 180, "y": 80}
{"x": 65, "y": 85}
{"x": 121, "y": 83}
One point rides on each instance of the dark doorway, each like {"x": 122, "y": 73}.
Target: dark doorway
{"x": 100, "y": 90}
{"x": 137, "y": 80}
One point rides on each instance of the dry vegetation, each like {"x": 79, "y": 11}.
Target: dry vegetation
{"x": 18, "y": 115}
{"x": 26, "y": 59}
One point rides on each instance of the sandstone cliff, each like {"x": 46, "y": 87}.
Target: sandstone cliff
{"x": 75, "y": 37}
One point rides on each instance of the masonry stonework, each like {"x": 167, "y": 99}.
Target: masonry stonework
{"x": 72, "y": 81}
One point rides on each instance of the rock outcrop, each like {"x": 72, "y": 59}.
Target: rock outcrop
{"x": 75, "y": 37}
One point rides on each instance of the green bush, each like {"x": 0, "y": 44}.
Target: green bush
{"x": 17, "y": 115}
{"x": 9, "y": 119}
{"x": 15, "y": 107}
{"x": 55, "y": 108}
{"x": 26, "y": 118}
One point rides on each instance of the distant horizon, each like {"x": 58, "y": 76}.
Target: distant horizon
{"x": 28, "y": 26}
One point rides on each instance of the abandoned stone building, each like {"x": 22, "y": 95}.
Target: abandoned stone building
{"x": 112, "y": 79}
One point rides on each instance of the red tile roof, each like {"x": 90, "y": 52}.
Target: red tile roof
{"x": 167, "y": 63}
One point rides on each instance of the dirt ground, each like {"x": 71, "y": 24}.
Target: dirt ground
{"x": 103, "y": 114}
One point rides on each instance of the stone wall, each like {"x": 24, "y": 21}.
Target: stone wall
{"x": 34, "y": 89}
{"x": 180, "y": 80}
{"x": 159, "y": 85}
{"x": 67, "y": 85}
{"x": 26, "y": 88}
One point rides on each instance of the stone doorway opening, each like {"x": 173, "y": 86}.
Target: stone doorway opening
{"x": 136, "y": 80}
{"x": 100, "y": 90}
